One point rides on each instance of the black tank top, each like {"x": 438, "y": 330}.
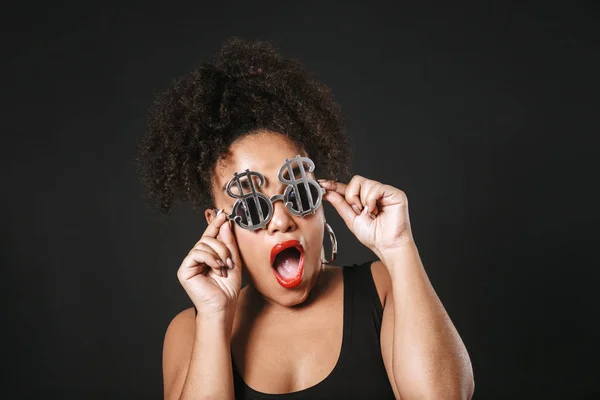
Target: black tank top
{"x": 359, "y": 372}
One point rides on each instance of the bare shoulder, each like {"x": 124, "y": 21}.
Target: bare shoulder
{"x": 382, "y": 279}
{"x": 182, "y": 322}
{"x": 177, "y": 348}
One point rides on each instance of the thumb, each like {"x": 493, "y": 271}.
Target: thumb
{"x": 341, "y": 206}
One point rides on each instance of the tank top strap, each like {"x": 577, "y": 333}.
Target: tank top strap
{"x": 361, "y": 295}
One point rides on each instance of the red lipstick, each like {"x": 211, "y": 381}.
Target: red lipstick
{"x": 288, "y": 282}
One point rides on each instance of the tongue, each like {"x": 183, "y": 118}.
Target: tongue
{"x": 287, "y": 264}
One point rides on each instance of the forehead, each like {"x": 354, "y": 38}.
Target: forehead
{"x": 264, "y": 152}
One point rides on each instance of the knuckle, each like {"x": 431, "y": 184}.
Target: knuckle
{"x": 216, "y": 243}
{"x": 199, "y": 255}
{"x": 200, "y": 244}
{"x": 202, "y": 248}
{"x": 221, "y": 250}
{"x": 196, "y": 246}
{"x": 226, "y": 251}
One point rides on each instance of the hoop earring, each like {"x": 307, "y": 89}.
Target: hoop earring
{"x": 333, "y": 246}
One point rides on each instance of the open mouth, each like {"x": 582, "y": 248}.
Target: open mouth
{"x": 287, "y": 260}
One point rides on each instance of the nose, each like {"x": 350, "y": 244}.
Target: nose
{"x": 282, "y": 221}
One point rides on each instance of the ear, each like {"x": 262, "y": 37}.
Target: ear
{"x": 209, "y": 214}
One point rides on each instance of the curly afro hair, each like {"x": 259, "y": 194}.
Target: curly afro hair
{"x": 248, "y": 88}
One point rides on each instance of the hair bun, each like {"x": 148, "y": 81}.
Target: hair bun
{"x": 240, "y": 58}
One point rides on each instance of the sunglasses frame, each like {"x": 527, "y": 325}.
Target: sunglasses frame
{"x": 292, "y": 184}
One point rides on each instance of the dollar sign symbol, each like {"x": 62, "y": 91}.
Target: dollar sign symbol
{"x": 242, "y": 200}
{"x": 304, "y": 181}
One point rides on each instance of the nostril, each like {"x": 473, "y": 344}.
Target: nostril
{"x": 281, "y": 220}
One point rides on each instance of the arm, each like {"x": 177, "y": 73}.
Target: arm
{"x": 424, "y": 353}
{"x": 196, "y": 353}
{"x": 197, "y": 358}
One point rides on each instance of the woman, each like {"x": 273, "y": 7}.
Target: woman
{"x": 245, "y": 139}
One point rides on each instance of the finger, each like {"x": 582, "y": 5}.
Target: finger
{"x": 371, "y": 196}
{"x": 198, "y": 257}
{"x": 342, "y": 207}
{"x": 350, "y": 191}
{"x": 219, "y": 247}
{"x": 353, "y": 193}
{"x": 335, "y": 186}
{"x": 227, "y": 237}
{"x": 205, "y": 247}
{"x": 222, "y": 271}
{"x": 212, "y": 230}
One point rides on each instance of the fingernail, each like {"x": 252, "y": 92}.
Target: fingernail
{"x": 220, "y": 263}
{"x": 356, "y": 209}
{"x": 229, "y": 263}
{"x": 365, "y": 210}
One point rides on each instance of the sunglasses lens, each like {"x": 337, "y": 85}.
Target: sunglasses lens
{"x": 302, "y": 196}
{"x": 253, "y": 210}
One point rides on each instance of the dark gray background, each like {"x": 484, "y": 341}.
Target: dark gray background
{"x": 486, "y": 116}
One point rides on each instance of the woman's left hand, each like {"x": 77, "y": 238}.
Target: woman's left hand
{"x": 377, "y": 214}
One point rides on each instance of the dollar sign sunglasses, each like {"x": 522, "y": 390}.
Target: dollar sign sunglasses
{"x": 253, "y": 210}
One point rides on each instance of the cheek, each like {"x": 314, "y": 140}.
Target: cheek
{"x": 246, "y": 244}
{"x": 314, "y": 231}
{"x": 254, "y": 250}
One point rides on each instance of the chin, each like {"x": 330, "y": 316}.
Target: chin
{"x": 293, "y": 299}
{"x": 298, "y": 295}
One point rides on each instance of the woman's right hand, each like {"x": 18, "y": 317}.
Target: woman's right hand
{"x": 211, "y": 273}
